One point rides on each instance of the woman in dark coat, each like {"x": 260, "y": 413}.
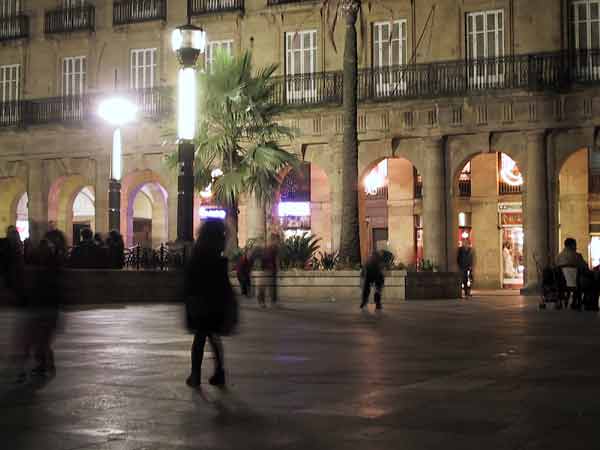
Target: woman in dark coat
{"x": 211, "y": 308}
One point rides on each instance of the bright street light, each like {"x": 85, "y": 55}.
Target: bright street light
{"x": 187, "y": 41}
{"x": 117, "y": 112}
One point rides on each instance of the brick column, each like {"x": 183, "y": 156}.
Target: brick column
{"x": 535, "y": 209}
{"x": 434, "y": 202}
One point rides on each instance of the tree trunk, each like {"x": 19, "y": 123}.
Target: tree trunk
{"x": 232, "y": 219}
{"x": 350, "y": 234}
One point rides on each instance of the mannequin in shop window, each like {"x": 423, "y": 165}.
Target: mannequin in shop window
{"x": 508, "y": 262}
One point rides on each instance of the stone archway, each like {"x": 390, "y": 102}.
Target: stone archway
{"x": 12, "y": 190}
{"x": 61, "y": 199}
{"x": 143, "y": 193}
{"x": 390, "y": 208}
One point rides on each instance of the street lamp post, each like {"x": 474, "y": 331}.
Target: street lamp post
{"x": 117, "y": 112}
{"x": 188, "y": 41}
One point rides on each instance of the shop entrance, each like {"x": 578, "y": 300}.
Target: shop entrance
{"x": 512, "y": 236}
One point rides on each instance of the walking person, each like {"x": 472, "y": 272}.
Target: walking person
{"x": 45, "y": 300}
{"x": 116, "y": 250}
{"x": 270, "y": 266}
{"x": 211, "y": 307}
{"x": 243, "y": 271}
{"x": 373, "y": 276}
{"x": 464, "y": 260}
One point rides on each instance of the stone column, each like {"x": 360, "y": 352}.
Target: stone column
{"x": 434, "y": 202}
{"x": 101, "y": 194}
{"x": 37, "y": 194}
{"x": 535, "y": 209}
{"x": 256, "y": 219}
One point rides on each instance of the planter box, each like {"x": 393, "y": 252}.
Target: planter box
{"x": 118, "y": 286}
{"x": 433, "y": 285}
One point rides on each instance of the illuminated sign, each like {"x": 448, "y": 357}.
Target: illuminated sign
{"x": 294, "y": 209}
{"x": 212, "y": 213}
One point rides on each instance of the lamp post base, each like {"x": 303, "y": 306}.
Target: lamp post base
{"x": 114, "y": 205}
{"x": 185, "y": 193}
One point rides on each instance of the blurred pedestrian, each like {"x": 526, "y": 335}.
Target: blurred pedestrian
{"x": 98, "y": 240}
{"x": 15, "y": 265}
{"x": 43, "y": 300}
{"x": 211, "y": 307}
{"x": 464, "y": 259}
{"x": 87, "y": 254}
{"x": 373, "y": 276}
{"x": 243, "y": 271}
{"x": 270, "y": 267}
{"x": 116, "y": 250}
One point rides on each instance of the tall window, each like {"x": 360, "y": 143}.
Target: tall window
{"x": 142, "y": 74}
{"x": 585, "y": 33}
{"x": 485, "y": 40}
{"x": 69, "y": 4}
{"x": 215, "y": 46}
{"x": 9, "y": 82}
{"x": 9, "y": 8}
{"x": 74, "y": 75}
{"x": 389, "y": 49}
{"x": 300, "y": 64}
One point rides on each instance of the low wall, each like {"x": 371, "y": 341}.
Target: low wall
{"x": 433, "y": 285}
{"x": 117, "y": 286}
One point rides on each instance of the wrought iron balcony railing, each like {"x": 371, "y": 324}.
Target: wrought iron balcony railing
{"x": 152, "y": 103}
{"x": 542, "y": 71}
{"x": 287, "y": 2}
{"x": 199, "y": 7}
{"x": 67, "y": 20}
{"x": 464, "y": 187}
{"x": 136, "y": 11}
{"x": 557, "y": 72}
{"x": 14, "y": 27}
{"x": 508, "y": 189}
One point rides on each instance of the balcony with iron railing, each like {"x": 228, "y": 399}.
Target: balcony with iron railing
{"x": 67, "y": 20}
{"x": 14, "y": 27}
{"x": 201, "y": 7}
{"x": 288, "y": 2}
{"x": 137, "y": 11}
{"x": 553, "y": 72}
{"x": 509, "y": 189}
{"x": 153, "y": 103}
{"x": 533, "y": 72}
{"x": 464, "y": 187}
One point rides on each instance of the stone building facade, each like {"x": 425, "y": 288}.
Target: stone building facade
{"x": 484, "y": 113}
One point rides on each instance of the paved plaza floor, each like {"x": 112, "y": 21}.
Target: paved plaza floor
{"x": 489, "y": 373}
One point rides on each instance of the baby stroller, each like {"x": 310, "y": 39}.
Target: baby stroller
{"x": 552, "y": 286}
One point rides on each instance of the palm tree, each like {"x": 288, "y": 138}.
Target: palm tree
{"x": 350, "y": 235}
{"x": 238, "y": 134}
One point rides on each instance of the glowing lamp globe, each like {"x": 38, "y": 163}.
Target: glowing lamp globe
{"x": 117, "y": 111}
{"x": 188, "y": 41}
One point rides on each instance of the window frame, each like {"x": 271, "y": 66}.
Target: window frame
{"x": 67, "y": 77}
{"x": 212, "y": 46}
{"x": 301, "y": 86}
{"x": 588, "y": 56}
{"x": 137, "y": 72}
{"x": 488, "y": 70}
{"x": 389, "y": 81}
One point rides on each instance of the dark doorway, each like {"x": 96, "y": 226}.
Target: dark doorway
{"x": 77, "y": 229}
{"x": 142, "y": 232}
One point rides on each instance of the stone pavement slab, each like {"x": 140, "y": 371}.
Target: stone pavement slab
{"x": 492, "y": 372}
